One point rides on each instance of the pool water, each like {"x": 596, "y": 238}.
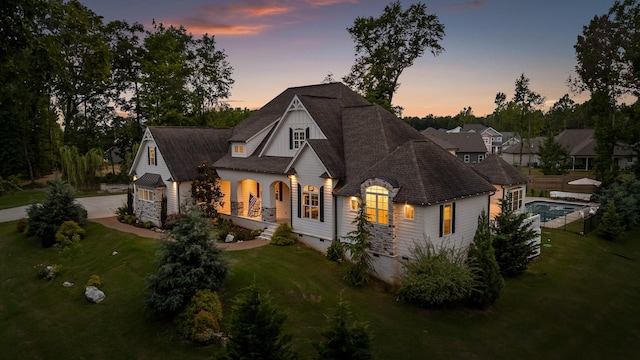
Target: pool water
{"x": 549, "y": 210}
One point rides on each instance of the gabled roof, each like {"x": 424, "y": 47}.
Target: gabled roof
{"x": 464, "y": 142}
{"x": 497, "y": 171}
{"x": 473, "y": 127}
{"x": 528, "y": 146}
{"x": 183, "y": 148}
{"x": 425, "y": 173}
{"x": 580, "y": 142}
{"x": 328, "y": 155}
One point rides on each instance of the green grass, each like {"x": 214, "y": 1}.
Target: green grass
{"x": 578, "y": 300}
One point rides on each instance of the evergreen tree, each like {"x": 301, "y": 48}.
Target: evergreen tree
{"x": 345, "y": 338}
{"x": 189, "y": 261}
{"x": 554, "y": 158}
{"x": 481, "y": 258}
{"x": 358, "y": 243}
{"x": 611, "y": 225}
{"x": 513, "y": 240}
{"x": 256, "y": 328}
{"x": 58, "y": 206}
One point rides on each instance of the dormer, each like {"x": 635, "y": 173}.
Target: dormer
{"x": 238, "y": 149}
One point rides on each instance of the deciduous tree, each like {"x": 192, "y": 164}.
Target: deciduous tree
{"x": 387, "y": 45}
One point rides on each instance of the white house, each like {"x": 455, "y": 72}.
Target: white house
{"x": 307, "y": 157}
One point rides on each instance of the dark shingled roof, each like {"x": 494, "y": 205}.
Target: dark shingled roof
{"x": 524, "y": 144}
{"x": 150, "y": 180}
{"x": 275, "y": 108}
{"x": 464, "y": 142}
{"x": 497, "y": 171}
{"x": 580, "y": 142}
{"x": 425, "y": 173}
{"x": 183, "y": 148}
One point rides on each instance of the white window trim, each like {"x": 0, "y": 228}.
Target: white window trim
{"x": 310, "y": 202}
{"x": 409, "y": 210}
{"x": 299, "y": 136}
{"x": 447, "y": 230}
{"x": 467, "y": 158}
{"x": 353, "y": 203}
{"x": 377, "y": 195}
{"x": 146, "y": 195}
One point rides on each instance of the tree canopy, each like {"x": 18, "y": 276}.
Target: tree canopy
{"x": 387, "y": 45}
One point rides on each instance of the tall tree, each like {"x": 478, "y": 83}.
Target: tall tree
{"x": 387, "y": 45}
{"x": 560, "y": 114}
{"x": 481, "y": 258}
{"x": 554, "y": 158}
{"x": 527, "y": 100}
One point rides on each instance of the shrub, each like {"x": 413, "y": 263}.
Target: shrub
{"x": 255, "y": 233}
{"x": 58, "y": 206}
{"x": 283, "y": 236}
{"x": 359, "y": 244}
{"x": 69, "y": 234}
{"x": 148, "y": 225}
{"x": 49, "y": 272}
{"x": 256, "y": 328}
{"x": 121, "y": 212}
{"x": 171, "y": 221}
{"x": 130, "y": 219}
{"x": 190, "y": 261}
{"x": 335, "y": 251}
{"x": 94, "y": 280}
{"x": 200, "y": 320}
{"x": 21, "y": 225}
{"x": 435, "y": 277}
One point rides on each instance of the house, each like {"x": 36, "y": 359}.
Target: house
{"x": 491, "y": 137}
{"x": 581, "y": 146}
{"x": 468, "y": 146}
{"x": 508, "y": 182}
{"x": 523, "y": 152}
{"x": 307, "y": 158}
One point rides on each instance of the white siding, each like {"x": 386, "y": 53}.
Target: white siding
{"x": 309, "y": 169}
{"x": 256, "y": 140}
{"x": 466, "y": 222}
{"x": 345, "y": 215}
{"x": 279, "y": 143}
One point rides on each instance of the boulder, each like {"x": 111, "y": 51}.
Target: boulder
{"x": 94, "y": 294}
{"x": 229, "y": 238}
{"x": 67, "y": 284}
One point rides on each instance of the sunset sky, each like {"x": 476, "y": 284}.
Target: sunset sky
{"x": 276, "y": 44}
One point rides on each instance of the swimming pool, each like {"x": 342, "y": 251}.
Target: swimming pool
{"x": 550, "y": 210}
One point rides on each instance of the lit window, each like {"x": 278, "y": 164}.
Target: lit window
{"x": 238, "y": 149}
{"x": 377, "y": 202}
{"x": 310, "y": 202}
{"x": 299, "y": 135}
{"x": 516, "y": 199}
{"x": 408, "y": 212}
{"x": 152, "y": 155}
{"x": 353, "y": 203}
{"x": 146, "y": 195}
{"x": 447, "y": 219}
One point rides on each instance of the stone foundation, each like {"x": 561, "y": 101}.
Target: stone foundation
{"x": 269, "y": 214}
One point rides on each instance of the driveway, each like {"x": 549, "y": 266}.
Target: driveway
{"x": 97, "y": 207}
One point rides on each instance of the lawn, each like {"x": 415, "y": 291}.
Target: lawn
{"x": 578, "y": 300}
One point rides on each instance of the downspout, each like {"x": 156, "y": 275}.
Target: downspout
{"x": 178, "y": 196}
{"x": 335, "y": 216}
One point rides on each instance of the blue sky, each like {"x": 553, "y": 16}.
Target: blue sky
{"x": 276, "y": 44}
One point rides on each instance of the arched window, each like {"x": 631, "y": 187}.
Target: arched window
{"x": 377, "y": 202}
{"x": 310, "y": 202}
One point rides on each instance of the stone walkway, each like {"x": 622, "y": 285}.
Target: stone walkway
{"x": 113, "y": 223}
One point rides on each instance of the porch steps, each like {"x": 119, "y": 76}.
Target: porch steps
{"x": 268, "y": 232}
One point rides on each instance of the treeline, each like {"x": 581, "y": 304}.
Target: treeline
{"x": 69, "y": 79}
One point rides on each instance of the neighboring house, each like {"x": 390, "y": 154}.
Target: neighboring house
{"x": 581, "y": 146}
{"x": 491, "y": 137}
{"x": 310, "y": 154}
{"x": 507, "y": 180}
{"x": 523, "y": 152}
{"x": 468, "y": 146}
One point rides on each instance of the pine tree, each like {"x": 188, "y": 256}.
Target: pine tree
{"x": 481, "y": 258}
{"x": 513, "y": 241}
{"x": 256, "y": 328}
{"x": 611, "y": 225}
{"x": 358, "y": 243}
{"x": 345, "y": 338}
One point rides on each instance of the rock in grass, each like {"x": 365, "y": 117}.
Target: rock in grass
{"x": 94, "y": 294}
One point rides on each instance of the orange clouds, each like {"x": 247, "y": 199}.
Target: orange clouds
{"x": 248, "y": 18}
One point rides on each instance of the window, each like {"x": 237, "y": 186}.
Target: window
{"x": 299, "y": 135}
{"x": 310, "y": 202}
{"x": 516, "y": 198}
{"x": 467, "y": 158}
{"x": 238, "y": 149}
{"x": 353, "y": 203}
{"x": 377, "y": 202}
{"x": 447, "y": 217}
{"x": 152, "y": 155}
{"x": 480, "y": 158}
{"x": 146, "y": 195}
{"x": 408, "y": 212}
